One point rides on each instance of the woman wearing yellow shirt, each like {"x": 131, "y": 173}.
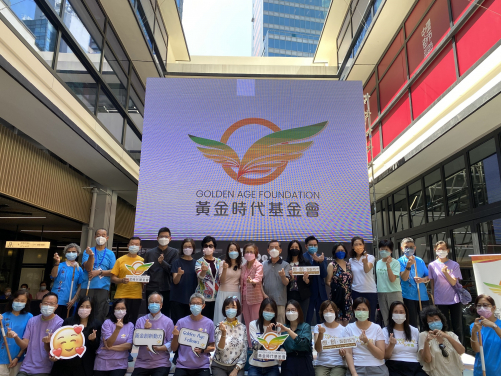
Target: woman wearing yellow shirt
{"x": 132, "y": 292}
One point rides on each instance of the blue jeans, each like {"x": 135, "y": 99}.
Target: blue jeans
{"x": 258, "y": 371}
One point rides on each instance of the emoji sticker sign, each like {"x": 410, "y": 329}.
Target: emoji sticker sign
{"x": 68, "y": 342}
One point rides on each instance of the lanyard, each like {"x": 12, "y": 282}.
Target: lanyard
{"x": 102, "y": 259}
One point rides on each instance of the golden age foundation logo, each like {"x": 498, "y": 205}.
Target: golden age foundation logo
{"x": 272, "y": 341}
{"x": 138, "y": 267}
{"x": 267, "y": 158}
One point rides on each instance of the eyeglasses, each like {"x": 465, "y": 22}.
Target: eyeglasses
{"x": 209, "y": 245}
{"x": 445, "y": 354}
{"x": 479, "y": 306}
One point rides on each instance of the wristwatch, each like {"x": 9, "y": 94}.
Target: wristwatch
{"x": 408, "y": 268}
{"x": 238, "y": 367}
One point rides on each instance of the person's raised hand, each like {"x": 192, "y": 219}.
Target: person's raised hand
{"x": 205, "y": 267}
{"x": 180, "y": 271}
{"x": 281, "y": 273}
{"x": 225, "y": 265}
{"x": 222, "y": 327}
{"x": 412, "y": 261}
{"x": 393, "y": 340}
{"x": 11, "y": 333}
{"x": 175, "y": 331}
{"x": 88, "y": 250}
{"x": 120, "y": 324}
{"x": 92, "y": 336}
{"x": 388, "y": 261}
{"x": 363, "y": 338}
{"x": 321, "y": 329}
{"x": 147, "y": 324}
{"x": 125, "y": 280}
{"x": 270, "y": 328}
{"x": 46, "y": 339}
{"x": 161, "y": 258}
{"x": 57, "y": 259}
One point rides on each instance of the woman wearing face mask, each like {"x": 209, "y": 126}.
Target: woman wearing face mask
{"x": 401, "y": 343}
{"x": 207, "y": 269}
{"x": 251, "y": 282}
{"x": 299, "y": 360}
{"x": 132, "y": 292}
{"x": 439, "y": 351}
{"x": 15, "y": 318}
{"x": 362, "y": 265}
{"x": 67, "y": 276}
{"x": 444, "y": 274}
{"x": 368, "y": 356}
{"x": 490, "y": 328}
{"x": 231, "y": 341}
{"x": 43, "y": 290}
{"x": 388, "y": 279}
{"x": 340, "y": 277}
{"x": 299, "y": 285}
{"x": 184, "y": 280}
{"x": 230, "y": 272}
{"x": 330, "y": 362}
{"x": 83, "y": 366}
{"x": 116, "y": 341}
{"x": 7, "y": 293}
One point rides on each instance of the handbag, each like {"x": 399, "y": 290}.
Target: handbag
{"x": 464, "y": 295}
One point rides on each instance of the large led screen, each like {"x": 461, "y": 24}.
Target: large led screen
{"x": 243, "y": 159}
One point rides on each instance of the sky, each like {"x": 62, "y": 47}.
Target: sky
{"x": 218, "y": 27}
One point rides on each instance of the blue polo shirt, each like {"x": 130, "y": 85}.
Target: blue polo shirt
{"x": 103, "y": 260}
{"x": 18, "y": 325}
{"x": 62, "y": 283}
{"x": 409, "y": 287}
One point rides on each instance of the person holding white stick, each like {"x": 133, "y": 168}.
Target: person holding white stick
{"x": 486, "y": 338}
{"x": 67, "y": 276}
{"x": 15, "y": 318}
{"x": 413, "y": 276}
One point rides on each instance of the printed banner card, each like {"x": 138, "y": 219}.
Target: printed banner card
{"x": 137, "y": 269}
{"x": 148, "y": 337}
{"x": 274, "y": 355}
{"x": 271, "y": 342}
{"x": 339, "y": 343}
{"x": 311, "y": 270}
{"x": 193, "y": 339}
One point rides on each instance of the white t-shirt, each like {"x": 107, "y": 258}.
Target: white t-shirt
{"x": 330, "y": 358}
{"x": 361, "y": 354}
{"x": 362, "y": 281}
{"x": 404, "y": 351}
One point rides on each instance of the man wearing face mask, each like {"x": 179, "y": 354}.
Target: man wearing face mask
{"x": 132, "y": 292}
{"x": 160, "y": 274}
{"x": 276, "y": 278}
{"x": 7, "y": 293}
{"x": 147, "y": 363}
{"x": 98, "y": 262}
{"x": 42, "y": 292}
{"x": 36, "y": 338}
{"x": 413, "y": 271}
{"x": 67, "y": 277}
{"x": 317, "y": 282}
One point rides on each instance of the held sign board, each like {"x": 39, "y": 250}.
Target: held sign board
{"x": 271, "y": 342}
{"x": 68, "y": 342}
{"x": 149, "y": 337}
{"x": 488, "y": 281}
{"x": 137, "y": 269}
{"x": 311, "y": 270}
{"x": 339, "y": 343}
{"x": 193, "y": 339}
{"x": 36, "y": 245}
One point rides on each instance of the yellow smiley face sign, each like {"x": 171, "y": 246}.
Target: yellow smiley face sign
{"x": 68, "y": 342}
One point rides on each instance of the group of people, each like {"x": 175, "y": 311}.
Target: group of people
{"x": 237, "y": 300}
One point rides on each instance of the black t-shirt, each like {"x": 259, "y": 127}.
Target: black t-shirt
{"x": 187, "y": 285}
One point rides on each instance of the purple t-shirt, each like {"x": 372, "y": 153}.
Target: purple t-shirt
{"x": 37, "y": 359}
{"x": 145, "y": 358}
{"x": 186, "y": 356}
{"x": 109, "y": 360}
{"x": 444, "y": 293}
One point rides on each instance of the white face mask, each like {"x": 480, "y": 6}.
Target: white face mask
{"x": 120, "y": 313}
{"x": 442, "y": 254}
{"x": 133, "y": 249}
{"x": 274, "y": 253}
{"x": 100, "y": 240}
{"x": 399, "y": 318}
{"x": 188, "y": 251}
{"x": 329, "y": 317}
{"x": 208, "y": 251}
{"x": 163, "y": 241}
{"x": 292, "y": 315}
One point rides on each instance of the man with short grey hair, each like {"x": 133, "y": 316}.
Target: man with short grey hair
{"x": 413, "y": 273}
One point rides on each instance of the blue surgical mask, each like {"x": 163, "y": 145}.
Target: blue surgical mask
{"x": 154, "y": 307}
{"x": 195, "y": 309}
{"x": 435, "y": 325}
{"x": 71, "y": 256}
{"x": 340, "y": 255}
{"x": 47, "y": 310}
{"x": 133, "y": 249}
{"x": 409, "y": 251}
{"x": 384, "y": 254}
{"x": 312, "y": 249}
{"x": 233, "y": 255}
{"x": 18, "y": 306}
{"x": 231, "y": 313}
{"x": 268, "y": 316}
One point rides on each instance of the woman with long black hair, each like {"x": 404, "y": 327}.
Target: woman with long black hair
{"x": 299, "y": 285}
{"x": 402, "y": 342}
{"x": 340, "y": 277}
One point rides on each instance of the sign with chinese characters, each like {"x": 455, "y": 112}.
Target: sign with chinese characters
{"x": 339, "y": 343}
{"x": 427, "y": 35}
{"x": 68, "y": 342}
{"x": 137, "y": 269}
{"x": 271, "y": 342}
{"x": 311, "y": 270}
{"x": 36, "y": 245}
{"x": 138, "y": 278}
{"x": 148, "y": 337}
{"x": 254, "y": 160}
{"x": 193, "y": 339}
{"x": 272, "y": 355}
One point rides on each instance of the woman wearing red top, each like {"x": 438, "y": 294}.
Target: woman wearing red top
{"x": 251, "y": 284}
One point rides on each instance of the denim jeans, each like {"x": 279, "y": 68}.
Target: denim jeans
{"x": 258, "y": 371}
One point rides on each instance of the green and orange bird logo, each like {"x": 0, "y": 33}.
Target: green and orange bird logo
{"x": 272, "y": 341}
{"x": 267, "y": 158}
{"x": 138, "y": 267}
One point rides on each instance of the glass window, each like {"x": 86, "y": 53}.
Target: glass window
{"x": 138, "y": 86}
{"x": 358, "y": 12}
{"x": 416, "y": 201}
{"x": 343, "y": 47}
{"x": 136, "y": 110}
{"x": 456, "y": 186}
{"x": 110, "y": 117}
{"x": 34, "y": 27}
{"x": 484, "y": 171}
{"x": 393, "y": 81}
{"x": 114, "y": 76}
{"x": 74, "y": 74}
{"x": 133, "y": 144}
{"x": 422, "y": 249}
{"x": 83, "y": 29}
{"x": 463, "y": 248}
{"x": 117, "y": 48}
{"x": 439, "y": 236}
{"x": 96, "y": 11}
{"x": 401, "y": 214}
{"x": 378, "y": 218}
{"x": 385, "y": 216}
{"x": 434, "y": 196}
{"x": 390, "y": 215}
{"x": 490, "y": 233}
